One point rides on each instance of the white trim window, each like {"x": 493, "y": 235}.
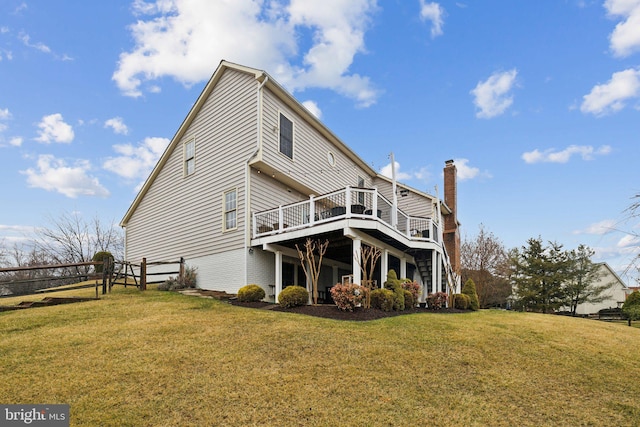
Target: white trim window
{"x": 286, "y": 136}
{"x": 230, "y": 207}
{"x": 189, "y": 157}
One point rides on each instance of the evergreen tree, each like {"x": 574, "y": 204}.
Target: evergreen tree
{"x": 581, "y": 286}
{"x": 631, "y": 307}
{"x": 469, "y": 289}
{"x": 538, "y": 276}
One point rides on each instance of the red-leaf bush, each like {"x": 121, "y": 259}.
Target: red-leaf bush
{"x": 348, "y": 296}
{"x": 437, "y": 300}
{"x": 414, "y": 288}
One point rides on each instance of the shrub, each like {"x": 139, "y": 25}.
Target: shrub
{"x": 631, "y": 306}
{"x": 469, "y": 289}
{"x": 348, "y": 296}
{"x": 437, "y": 300}
{"x": 412, "y": 287}
{"x": 250, "y": 293}
{"x": 189, "y": 280}
{"x": 293, "y": 296}
{"x": 382, "y": 299}
{"x": 101, "y": 257}
{"x": 461, "y": 301}
{"x": 409, "y": 300}
{"x": 395, "y": 285}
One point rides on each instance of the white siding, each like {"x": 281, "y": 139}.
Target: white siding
{"x": 219, "y": 272}
{"x": 616, "y": 294}
{"x": 310, "y": 165}
{"x": 413, "y": 204}
{"x": 182, "y": 217}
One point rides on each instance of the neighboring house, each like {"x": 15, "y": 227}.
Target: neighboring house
{"x": 615, "y": 295}
{"x": 251, "y": 173}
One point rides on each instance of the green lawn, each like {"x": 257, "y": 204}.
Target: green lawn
{"x": 158, "y": 358}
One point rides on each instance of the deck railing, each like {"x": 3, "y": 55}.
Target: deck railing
{"x": 349, "y": 202}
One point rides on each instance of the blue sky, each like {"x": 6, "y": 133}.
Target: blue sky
{"x": 538, "y": 102}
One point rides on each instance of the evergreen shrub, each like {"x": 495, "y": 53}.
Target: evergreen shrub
{"x": 461, "y": 301}
{"x": 293, "y": 296}
{"x": 469, "y": 289}
{"x": 382, "y": 299}
{"x": 250, "y": 293}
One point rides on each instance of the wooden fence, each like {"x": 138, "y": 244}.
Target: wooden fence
{"x": 140, "y": 273}
{"x": 63, "y": 277}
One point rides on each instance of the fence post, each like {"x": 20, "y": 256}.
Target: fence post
{"x": 181, "y": 274}
{"x": 105, "y": 270}
{"x": 143, "y": 275}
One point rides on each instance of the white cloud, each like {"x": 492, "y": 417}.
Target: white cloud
{"x": 174, "y": 38}
{"x": 400, "y": 176}
{"x": 136, "y": 162}
{"x": 630, "y": 241}
{"x": 492, "y": 96}
{"x": 550, "y": 156}
{"x": 610, "y": 97}
{"x": 432, "y": 12}
{"x": 54, "y": 129}
{"x": 625, "y": 38}
{"x": 117, "y": 125}
{"x": 465, "y": 172}
{"x": 16, "y": 141}
{"x": 26, "y": 40}
{"x": 53, "y": 174}
{"x": 312, "y": 106}
{"x": 5, "y": 114}
{"x": 599, "y": 228}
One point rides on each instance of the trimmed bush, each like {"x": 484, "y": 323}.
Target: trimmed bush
{"x": 409, "y": 300}
{"x": 412, "y": 287}
{"x": 382, "y": 299}
{"x": 348, "y": 296}
{"x": 101, "y": 257}
{"x": 250, "y": 293}
{"x": 461, "y": 301}
{"x": 469, "y": 289}
{"x": 293, "y": 296}
{"x": 437, "y": 300}
{"x": 395, "y": 285}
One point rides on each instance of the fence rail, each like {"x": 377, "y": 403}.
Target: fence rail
{"x": 140, "y": 273}
{"x": 51, "y": 277}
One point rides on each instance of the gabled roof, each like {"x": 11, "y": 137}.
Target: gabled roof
{"x": 261, "y": 77}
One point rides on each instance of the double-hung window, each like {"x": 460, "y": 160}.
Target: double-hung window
{"x": 286, "y": 136}
{"x": 189, "y": 157}
{"x": 230, "y": 210}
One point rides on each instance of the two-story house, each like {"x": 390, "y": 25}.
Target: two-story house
{"x": 251, "y": 173}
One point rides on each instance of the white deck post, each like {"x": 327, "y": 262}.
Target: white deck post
{"x": 357, "y": 254}
{"x": 403, "y": 268}
{"x": 278, "y": 275}
{"x": 312, "y": 210}
{"x": 347, "y": 201}
{"x": 384, "y": 266}
{"x": 434, "y": 271}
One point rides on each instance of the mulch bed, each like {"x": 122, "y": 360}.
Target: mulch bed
{"x": 333, "y": 312}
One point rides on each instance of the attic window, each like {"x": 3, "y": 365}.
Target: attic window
{"x": 286, "y": 136}
{"x": 189, "y": 157}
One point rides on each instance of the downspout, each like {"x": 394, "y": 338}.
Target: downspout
{"x": 247, "y": 180}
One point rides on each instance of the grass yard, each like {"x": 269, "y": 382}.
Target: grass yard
{"x": 164, "y": 359}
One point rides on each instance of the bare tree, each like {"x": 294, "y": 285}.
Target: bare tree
{"x": 71, "y": 239}
{"x": 633, "y": 212}
{"x": 310, "y": 264}
{"x": 484, "y": 259}
{"x": 367, "y": 261}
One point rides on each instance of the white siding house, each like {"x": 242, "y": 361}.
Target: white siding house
{"x": 251, "y": 173}
{"x": 615, "y": 295}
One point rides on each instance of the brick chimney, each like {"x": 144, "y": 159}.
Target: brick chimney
{"x": 451, "y": 234}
